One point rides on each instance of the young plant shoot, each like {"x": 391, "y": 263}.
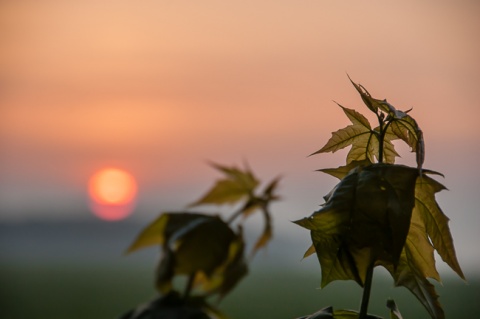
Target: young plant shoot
{"x": 205, "y": 248}
{"x": 381, "y": 213}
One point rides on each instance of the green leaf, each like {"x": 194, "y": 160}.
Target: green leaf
{"x": 373, "y": 104}
{"x": 237, "y": 186}
{"x": 407, "y": 129}
{"x": 435, "y": 221}
{"x": 310, "y": 251}
{"x": 407, "y": 275}
{"x": 364, "y": 140}
{"x": 401, "y": 125}
{"x": 345, "y": 137}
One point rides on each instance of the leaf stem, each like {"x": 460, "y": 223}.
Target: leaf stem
{"x": 366, "y": 293}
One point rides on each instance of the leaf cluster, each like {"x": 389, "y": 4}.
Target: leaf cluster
{"x": 204, "y": 247}
{"x": 381, "y": 213}
{"x": 373, "y": 144}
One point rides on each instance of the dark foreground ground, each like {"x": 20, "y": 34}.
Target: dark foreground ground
{"x": 70, "y": 271}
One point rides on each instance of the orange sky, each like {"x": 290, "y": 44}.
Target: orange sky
{"x": 159, "y": 87}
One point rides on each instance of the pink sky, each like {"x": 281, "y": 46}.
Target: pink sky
{"x": 160, "y": 87}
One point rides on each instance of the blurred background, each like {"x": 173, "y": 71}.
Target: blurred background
{"x": 158, "y": 88}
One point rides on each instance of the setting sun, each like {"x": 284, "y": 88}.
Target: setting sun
{"x": 112, "y": 192}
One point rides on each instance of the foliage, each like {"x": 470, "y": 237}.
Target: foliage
{"x": 204, "y": 247}
{"x": 381, "y": 213}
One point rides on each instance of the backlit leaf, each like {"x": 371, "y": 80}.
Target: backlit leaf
{"x": 151, "y": 235}
{"x": 237, "y": 185}
{"x": 406, "y": 275}
{"x": 407, "y": 129}
{"x": 342, "y": 171}
{"x": 364, "y": 141}
{"x": 373, "y": 104}
{"x": 345, "y": 137}
{"x": 435, "y": 221}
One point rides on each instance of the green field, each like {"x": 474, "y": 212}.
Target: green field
{"x": 66, "y": 291}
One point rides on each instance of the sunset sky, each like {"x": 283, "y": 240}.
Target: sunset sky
{"x": 161, "y": 87}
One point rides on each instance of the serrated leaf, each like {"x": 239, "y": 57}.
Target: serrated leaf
{"x": 238, "y": 185}
{"x": 406, "y": 275}
{"x": 370, "y": 102}
{"x": 363, "y": 140}
{"x": 344, "y": 138}
{"x": 309, "y": 251}
{"x": 420, "y": 250}
{"x": 407, "y": 129}
{"x": 435, "y": 221}
{"x": 355, "y": 117}
{"x": 401, "y": 124}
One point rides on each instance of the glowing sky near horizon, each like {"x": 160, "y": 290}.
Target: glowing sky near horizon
{"x": 161, "y": 87}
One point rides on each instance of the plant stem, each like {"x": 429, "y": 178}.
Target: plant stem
{"x": 189, "y": 286}
{"x": 381, "y": 137}
{"x": 366, "y": 293}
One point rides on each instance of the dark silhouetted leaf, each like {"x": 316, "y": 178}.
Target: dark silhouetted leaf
{"x": 365, "y": 218}
{"x": 202, "y": 246}
{"x": 164, "y": 226}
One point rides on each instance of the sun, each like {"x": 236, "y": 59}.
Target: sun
{"x": 112, "y": 193}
